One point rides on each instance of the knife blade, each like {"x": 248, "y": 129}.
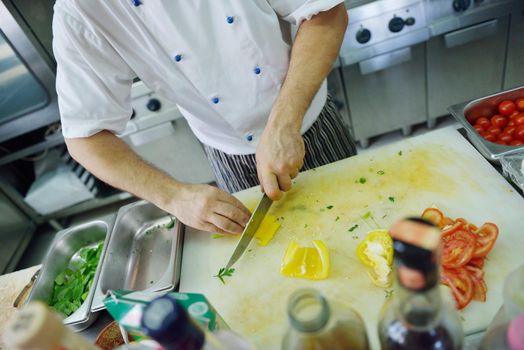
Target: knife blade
{"x": 250, "y": 229}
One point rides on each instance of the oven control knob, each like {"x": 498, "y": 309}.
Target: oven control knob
{"x": 410, "y": 21}
{"x": 363, "y": 35}
{"x": 396, "y": 24}
{"x": 461, "y": 5}
{"x": 153, "y": 105}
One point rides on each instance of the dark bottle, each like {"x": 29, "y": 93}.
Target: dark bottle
{"x": 416, "y": 317}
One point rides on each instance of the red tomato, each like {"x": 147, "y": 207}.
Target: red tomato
{"x": 505, "y": 138}
{"x": 477, "y": 262}
{"x": 460, "y": 283}
{"x": 457, "y": 249}
{"x": 496, "y": 131}
{"x": 520, "y": 104}
{"x": 485, "y": 237}
{"x": 513, "y": 115}
{"x": 433, "y": 215}
{"x": 499, "y": 121}
{"x": 479, "y": 290}
{"x": 518, "y": 134}
{"x": 452, "y": 229}
{"x": 499, "y": 142}
{"x": 446, "y": 222}
{"x": 474, "y": 271}
{"x": 516, "y": 143}
{"x": 479, "y": 128}
{"x": 512, "y": 123}
{"x": 519, "y": 119}
{"x": 490, "y": 137}
{"x": 484, "y": 122}
{"x": 509, "y": 130}
{"x": 507, "y": 107}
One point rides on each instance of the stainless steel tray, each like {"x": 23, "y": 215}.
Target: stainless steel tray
{"x": 468, "y": 112}
{"x": 63, "y": 251}
{"x": 143, "y": 255}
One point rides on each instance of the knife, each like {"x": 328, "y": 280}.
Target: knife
{"x": 251, "y": 227}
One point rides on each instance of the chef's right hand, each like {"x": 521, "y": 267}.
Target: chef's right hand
{"x": 209, "y": 209}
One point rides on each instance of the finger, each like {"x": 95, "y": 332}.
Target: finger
{"x": 225, "y": 224}
{"x": 206, "y": 226}
{"x": 232, "y": 212}
{"x": 232, "y": 200}
{"x": 271, "y": 187}
{"x": 294, "y": 173}
{"x": 284, "y": 182}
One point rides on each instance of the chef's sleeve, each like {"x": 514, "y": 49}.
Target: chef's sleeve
{"x": 297, "y": 11}
{"x": 93, "y": 82}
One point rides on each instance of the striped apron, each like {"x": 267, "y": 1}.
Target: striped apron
{"x": 326, "y": 141}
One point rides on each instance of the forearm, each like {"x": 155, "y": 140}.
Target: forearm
{"x": 315, "y": 48}
{"x": 111, "y": 160}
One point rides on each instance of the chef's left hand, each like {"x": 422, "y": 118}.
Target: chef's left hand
{"x": 280, "y": 156}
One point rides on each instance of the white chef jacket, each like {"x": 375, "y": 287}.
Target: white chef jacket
{"x": 221, "y": 61}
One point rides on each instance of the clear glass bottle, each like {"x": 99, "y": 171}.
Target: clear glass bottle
{"x": 416, "y": 317}
{"x": 499, "y": 331}
{"x": 167, "y": 322}
{"x": 315, "y": 324}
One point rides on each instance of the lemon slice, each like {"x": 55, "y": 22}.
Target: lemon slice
{"x": 306, "y": 262}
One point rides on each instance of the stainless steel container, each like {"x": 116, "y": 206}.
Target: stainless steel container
{"x": 63, "y": 252}
{"x": 143, "y": 254}
{"x": 468, "y": 112}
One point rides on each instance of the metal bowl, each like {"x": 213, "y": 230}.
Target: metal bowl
{"x": 468, "y": 112}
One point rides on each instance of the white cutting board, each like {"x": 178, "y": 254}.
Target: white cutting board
{"x": 437, "y": 169}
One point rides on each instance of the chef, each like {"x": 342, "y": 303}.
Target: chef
{"x": 258, "y": 104}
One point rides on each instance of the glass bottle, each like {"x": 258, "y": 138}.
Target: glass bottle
{"x": 314, "y": 324}
{"x": 416, "y": 317}
{"x": 167, "y": 322}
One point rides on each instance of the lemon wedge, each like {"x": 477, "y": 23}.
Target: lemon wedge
{"x": 306, "y": 262}
{"x": 376, "y": 252}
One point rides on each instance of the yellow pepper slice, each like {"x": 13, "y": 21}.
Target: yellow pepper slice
{"x": 376, "y": 252}
{"x": 310, "y": 263}
{"x": 267, "y": 229}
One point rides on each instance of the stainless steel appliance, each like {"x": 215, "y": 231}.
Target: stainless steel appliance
{"x": 27, "y": 79}
{"x": 514, "y": 72}
{"x": 466, "y": 55}
{"x": 384, "y": 67}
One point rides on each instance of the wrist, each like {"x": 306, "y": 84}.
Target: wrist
{"x": 169, "y": 194}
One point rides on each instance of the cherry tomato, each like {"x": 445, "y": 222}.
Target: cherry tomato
{"x": 512, "y": 123}
{"x": 513, "y": 115}
{"x": 509, "y": 130}
{"x": 520, "y": 104}
{"x": 484, "y": 122}
{"x": 518, "y": 134}
{"x": 507, "y": 107}
{"x": 516, "y": 143}
{"x": 486, "y": 235}
{"x": 506, "y": 138}
{"x": 433, "y": 215}
{"x": 457, "y": 249}
{"x": 478, "y": 128}
{"x": 519, "y": 119}
{"x": 499, "y": 142}
{"x": 461, "y": 285}
{"x": 499, "y": 121}
{"x": 496, "y": 131}
{"x": 490, "y": 137}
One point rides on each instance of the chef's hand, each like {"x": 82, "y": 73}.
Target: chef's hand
{"x": 280, "y": 156}
{"x": 209, "y": 209}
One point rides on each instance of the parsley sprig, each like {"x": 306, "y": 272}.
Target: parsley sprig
{"x": 224, "y": 273}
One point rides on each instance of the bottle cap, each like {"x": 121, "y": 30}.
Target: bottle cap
{"x": 169, "y": 324}
{"x": 416, "y": 243}
{"x": 515, "y": 335}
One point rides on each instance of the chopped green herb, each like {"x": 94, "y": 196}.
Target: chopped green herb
{"x": 329, "y": 207}
{"x": 355, "y": 237}
{"x": 399, "y": 153}
{"x": 249, "y": 250}
{"x": 380, "y": 172}
{"x": 391, "y": 199}
{"x": 170, "y": 224}
{"x": 338, "y": 218}
{"x": 389, "y": 293}
{"x": 362, "y": 180}
{"x": 224, "y": 273}
{"x": 151, "y": 282}
{"x": 314, "y": 169}
{"x": 367, "y": 215}
{"x": 305, "y": 226}
{"x": 384, "y": 216}
{"x": 217, "y": 236}
{"x": 353, "y": 228}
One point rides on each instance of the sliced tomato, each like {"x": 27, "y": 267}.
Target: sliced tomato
{"x": 480, "y": 290}
{"x": 477, "y": 262}
{"x": 451, "y": 229}
{"x": 486, "y": 236}
{"x": 461, "y": 285}
{"x": 433, "y": 215}
{"x": 457, "y": 249}
{"x": 475, "y": 271}
{"x": 446, "y": 222}
{"x": 467, "y": 225}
